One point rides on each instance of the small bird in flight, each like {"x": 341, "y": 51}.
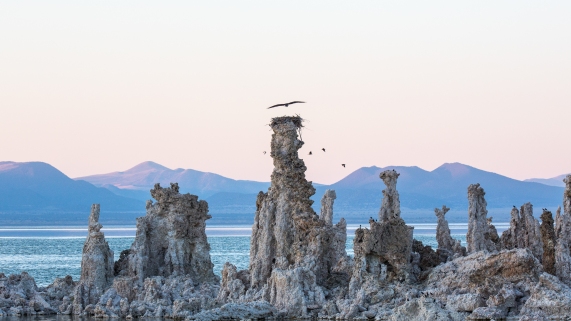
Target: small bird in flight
{"x": 310, "y": 153}
{"x": 286, "y": 105}
{"x": 264, "y": 152}
{"x": 323, "y": 149}
{"x": 343, "y": 165}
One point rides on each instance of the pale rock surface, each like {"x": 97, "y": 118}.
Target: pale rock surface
{"x": 168, "y": 271}
{"x": 487, "y": 283}
{"x": 19, "y": 296}
{"x": 96, "y": 265}
{"x": 450, "y": 247}
{"x": 295, "y": 255}
{"x": 478, "y": 237}
{"x": 171, "y": 238}
{"x": 390, "y": 206}
{"x": 327, "y": 206}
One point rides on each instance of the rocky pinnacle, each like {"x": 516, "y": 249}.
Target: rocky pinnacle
{"x": 390, "y": 206}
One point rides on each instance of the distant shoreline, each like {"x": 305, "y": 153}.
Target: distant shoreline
{"x": 211, "y": 230}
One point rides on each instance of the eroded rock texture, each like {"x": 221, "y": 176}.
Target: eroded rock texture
{"x": 480, "y": 236}
{"x": 327, "y": 206}
{"x": 171, "y": 238}
{"x": 295, "y": 255}
{"x": 548, "y": 240}
{"x": 563, "y": 235}
{"x": 390, "y": 206}
{"x": 96, "y": 265}
{"x": 524, "y": 232}
{"x": 385, "y": 248}
{"x": 449, "y": 247}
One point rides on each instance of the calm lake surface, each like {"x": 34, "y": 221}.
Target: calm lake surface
{"x": 50, "y": 252}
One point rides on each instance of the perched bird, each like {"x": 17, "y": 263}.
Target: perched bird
{"x": 343, "y": 165}
{"x": 310, "y": 153}
{"x": 286, "y": 105}
{"x": 323, "y": 149}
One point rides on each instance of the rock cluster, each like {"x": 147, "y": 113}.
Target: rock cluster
{"x": 299, "y": 267}
{"x": 524, "y": 232}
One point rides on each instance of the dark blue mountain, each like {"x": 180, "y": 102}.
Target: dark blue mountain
{"x": 37, "y": 186}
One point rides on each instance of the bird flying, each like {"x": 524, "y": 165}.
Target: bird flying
{"x": 287, "y": 104}
{"x": 323, "y": 149}
{"x": 264, "y": 152}
{"x": 310, "y": 153}
{"x": 343, "y": 165}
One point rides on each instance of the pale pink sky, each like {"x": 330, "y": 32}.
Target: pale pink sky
{"x": 94, "y": 87}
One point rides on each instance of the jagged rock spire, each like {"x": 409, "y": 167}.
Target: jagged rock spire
{"x": 289, "y": 240}
{"x": 96, "y": 265}
{"x": 563, "y": 235}
{"x": 451, "y": 247}
{"x": 548, "y": 239}
{"x": 478, "y": 235}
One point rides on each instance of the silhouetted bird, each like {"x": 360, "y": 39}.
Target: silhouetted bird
{"x": 264, "y": 152}
{"x": 310, "y": 153}
{"x": 286, "y": 105}
{"x": 343, "y": 165}
{"x": 323, "y": 149}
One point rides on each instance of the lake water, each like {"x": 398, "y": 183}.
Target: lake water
{"x": 50, "y": 252}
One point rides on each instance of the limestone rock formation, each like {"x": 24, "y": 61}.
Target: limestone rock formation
{"x": 486, "y": 283}
{"x": 388, "y": 242}
{"x": 450, "y": 247}
{"x": 295, "y": 255}
{"x": 524, "y": 232}
{"x": 171, "y": 238}
{"x": 327, "y": 206}
{"x": 548, "y": 240}
{"x": 563, "y": 235}
{"x": 96, "y": 265}
{"x": 478, "y": 236}
{"x": 19, "y": 296}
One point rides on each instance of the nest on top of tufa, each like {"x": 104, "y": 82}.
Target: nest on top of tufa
{"x": 296, "y": 120}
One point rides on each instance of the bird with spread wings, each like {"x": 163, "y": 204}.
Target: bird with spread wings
{"x": 287, "y": 104}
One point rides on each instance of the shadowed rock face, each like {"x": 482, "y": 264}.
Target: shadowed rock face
{"x": 524, "y": 232}
{"x": 478, "y": 236}
{"x": 171, "y": 238}
{"x": 563, "y": 235}
{"x": 96, "y": 265}
{"x": 548, "y": 240}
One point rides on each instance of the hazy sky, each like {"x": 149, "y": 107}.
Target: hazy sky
{"x": 100, "y": 86}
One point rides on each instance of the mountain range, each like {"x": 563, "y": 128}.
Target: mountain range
{"x": 37, "y": 193}
{"x": 554, "y": 181}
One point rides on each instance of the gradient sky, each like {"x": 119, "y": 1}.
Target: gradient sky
{"x": 100, "y": 86}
